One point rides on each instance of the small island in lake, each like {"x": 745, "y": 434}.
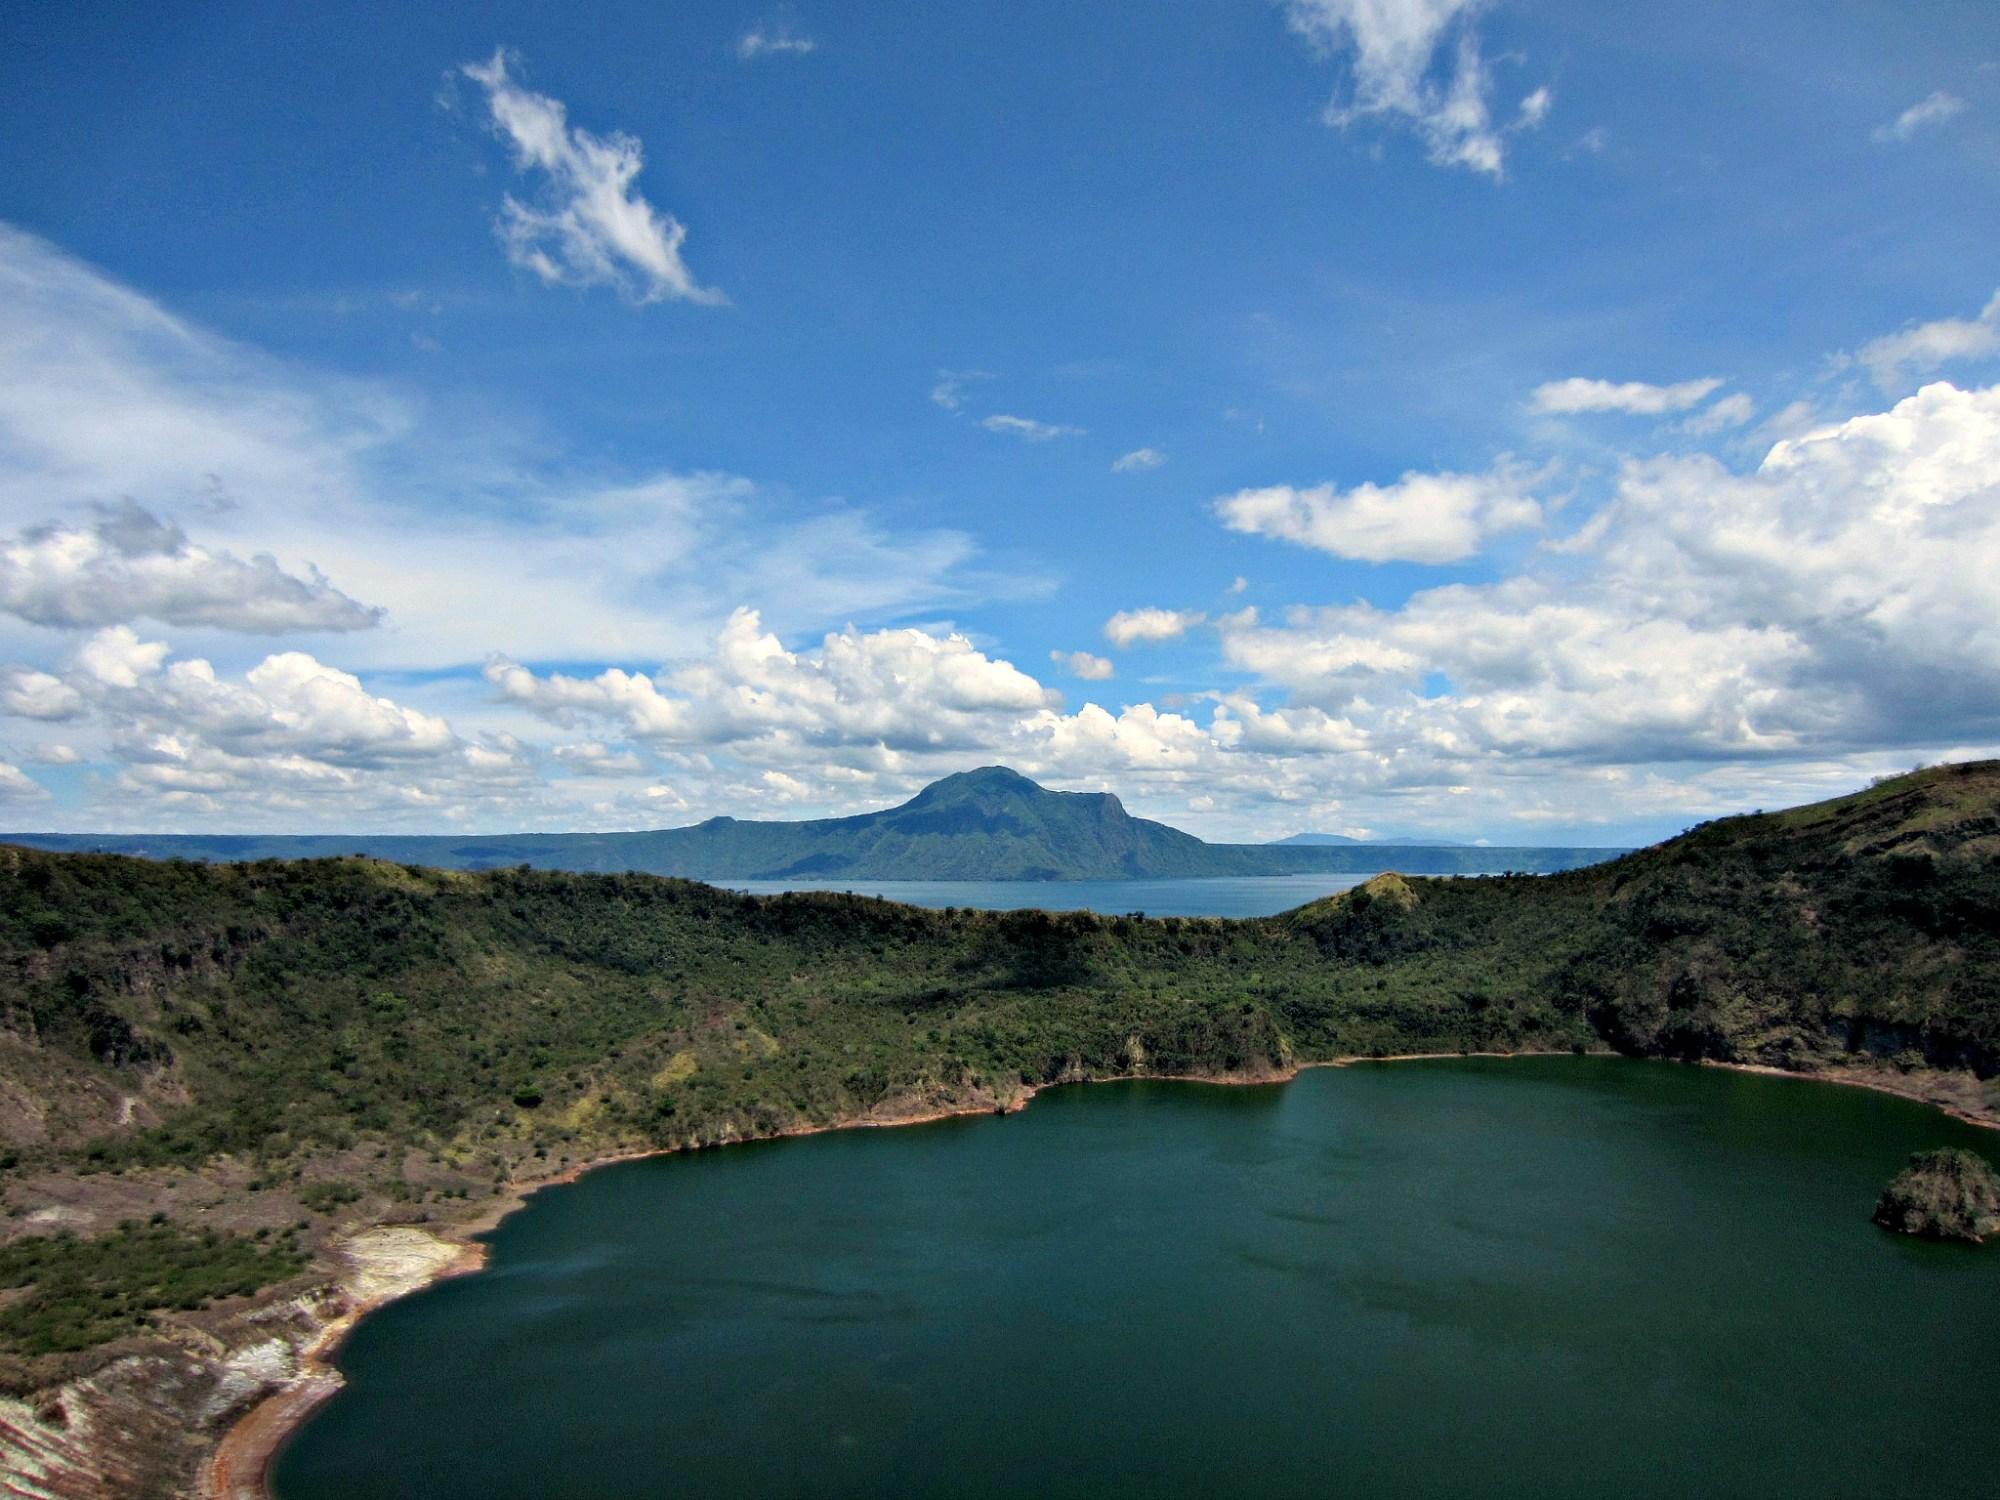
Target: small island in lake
{"x": 1942, "y": 1195}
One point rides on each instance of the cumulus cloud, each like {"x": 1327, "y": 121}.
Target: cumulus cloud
{"x": 1932, "y": 109}
{"x": 900, "y": 690}
{"x": 28, "y": 693}
{"x": 1130, "y": 625}
{"x": 1393, "y": 47}
{"x": 779, "y": 38}
{"x": 1082, "y": 664}
{"x": 130, "y": 564}
{"x": 589, "y": 227}
{"x": 1636, "y": 397}
{"x": 291, "y": 736}
{"x": 1923, "y": 347}
{"x": 17, "y": 786}
{"x": 1836, "y": 598}
{"x": 1137, "y": 460}
{"x": 1428, "y": 518}
{"x": 1027, "y": 429}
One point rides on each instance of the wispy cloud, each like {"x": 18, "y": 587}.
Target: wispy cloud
{"x": 1635, "y": 397}
{"x": 590, "y": 227}
{"x": 1927, "y": 346}
{"x": 1932, "y": 109}
{"x": 1535, "y": 109}
{"x": 776, "y": 38}
{"x": 1027, "y": 429}
{"x": 1137, "y": 460}
{"x": 1720, "y": 416}
{"x": 949, "y": 392}
{"x": 1392, "y": 46}
{"x": 428, "y": 514}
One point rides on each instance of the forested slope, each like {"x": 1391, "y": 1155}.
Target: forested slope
{"x": 301, "y": 1045}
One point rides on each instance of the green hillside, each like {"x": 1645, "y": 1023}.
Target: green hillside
{"x": 347, "y": 1038}
{"x": 989, "y": 824}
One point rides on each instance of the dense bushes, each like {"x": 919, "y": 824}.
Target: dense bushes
{"x": 77, "y": 1293}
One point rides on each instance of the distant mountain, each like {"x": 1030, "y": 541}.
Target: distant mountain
{"x": 1341, "y": 840}
{"x": 988, "y": 824}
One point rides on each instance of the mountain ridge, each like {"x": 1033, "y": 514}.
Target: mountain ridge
{"x": 989, "y": 823}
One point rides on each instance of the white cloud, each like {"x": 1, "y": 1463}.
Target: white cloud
{"x": 130, "y": 564}
{"x": 292, "y": 737}
{"x": 1027, "y": 429}
{"x": 29, "y": 693}
{"x": 1709, "y": 639}
{"x": 1138, "y": 459}
{"x": 949, "y": 392}
{"x": 890, "y": 691}
{"x": 1130, "y": 625}
{"x": 1720, "y": 416}
{"x": 1082, "y": 664}
{"x": 16, "y": 786}
{"x": 1932, "y": 109}
{"x": 592, "y": 758}
{"x": 779, "y": 38}
{"x": 1926, "y": 346}
{"x": 1565, "y": 397}
{"x": 1394, "y": 45}
{"x": 590, "y": 228}
{"x": 1535, "y": 109}
{"x": 430, "y": 514}
{"x": 56, "y": 754}
{"x": 1837, "y": 599}
{"x": 1429, "y": 518}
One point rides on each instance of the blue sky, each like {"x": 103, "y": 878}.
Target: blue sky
{"x": 1538, "y": 422}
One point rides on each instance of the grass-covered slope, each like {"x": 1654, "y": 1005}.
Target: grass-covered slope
{"x": 989, "y": 824}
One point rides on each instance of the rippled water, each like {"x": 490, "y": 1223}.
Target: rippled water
{"x": 1535, "y": 1277}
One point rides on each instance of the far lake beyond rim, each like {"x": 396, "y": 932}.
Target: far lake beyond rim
{"x": 1496, "y": 1277}
{"x": 1210, "y": 896}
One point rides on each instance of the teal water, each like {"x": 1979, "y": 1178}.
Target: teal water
{"x": 1530, "y": 1277}
{"x": 1217, "y": 896}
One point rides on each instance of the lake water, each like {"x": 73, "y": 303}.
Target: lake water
{"x": 1225, "y": 896}
{"x": 1531, "y": 1277}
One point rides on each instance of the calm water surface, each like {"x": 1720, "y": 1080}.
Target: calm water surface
{"x": 1220, "y": 896}
{"x": 1539, "y": 1277}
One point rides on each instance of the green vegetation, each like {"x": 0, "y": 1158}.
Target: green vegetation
{"x": 1943, "y": 1195}
{"x": 76, "y": 1293}
{"x": 327, "y": 1022}
{"x": 990, "y": 824}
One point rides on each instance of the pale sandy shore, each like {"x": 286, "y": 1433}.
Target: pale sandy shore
{"x": 240, "y": 1467}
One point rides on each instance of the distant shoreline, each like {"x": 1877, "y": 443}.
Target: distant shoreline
{"x": 241, "y": 1465}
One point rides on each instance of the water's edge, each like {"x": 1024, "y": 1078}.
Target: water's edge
{"x": 240, "y": 1466}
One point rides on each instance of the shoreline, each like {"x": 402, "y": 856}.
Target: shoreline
{"x": 1880, "y": 1082}
{"x": 239, "y": 1468}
